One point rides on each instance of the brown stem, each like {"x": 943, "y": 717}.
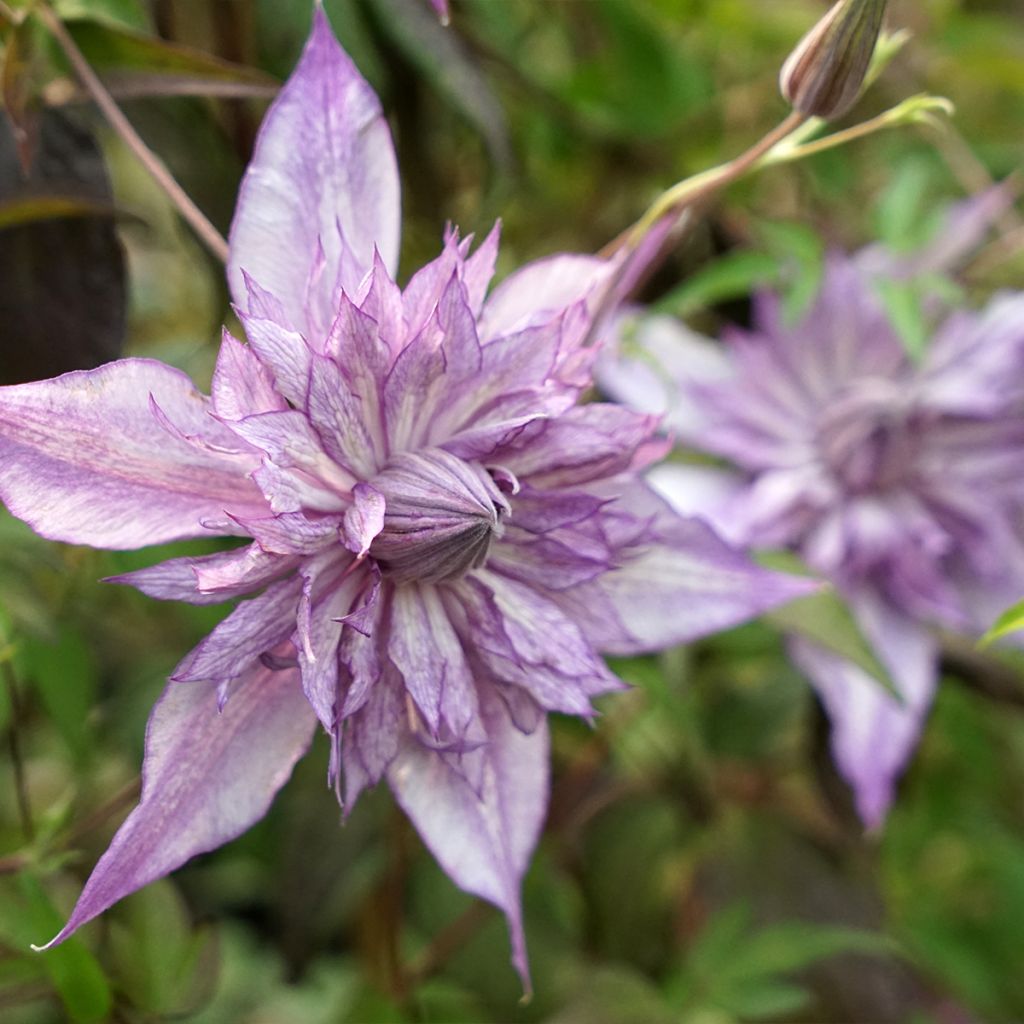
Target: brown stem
{"x": 447, "y": 941}
{"x": 983, "y": 673}
{"x": 124, "y": 797}
{"x": 208, "y": 234}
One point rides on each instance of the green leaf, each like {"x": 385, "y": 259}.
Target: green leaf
{"x": 902, "y": 301}
{"x": 74, "y": 972}
{"x": 65, "y": 675}
{"x": 34, "y": 208}
{"x": 1010, "y": 621}
{"x": 825, "y": 618}
{"x": 164, "y": 966}
{"x": 132, "y": 63}
{"x": 732, "y": 276}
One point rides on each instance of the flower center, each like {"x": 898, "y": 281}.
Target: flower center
{"x": 865, "y": 437}
{"x": 441, "y": 514}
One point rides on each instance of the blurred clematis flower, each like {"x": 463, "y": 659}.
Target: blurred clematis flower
{"x": 901, "y": 481}
{"x": 440, "y": 539}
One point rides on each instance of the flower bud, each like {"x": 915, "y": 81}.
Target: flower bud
{"x": 825, "y": 73}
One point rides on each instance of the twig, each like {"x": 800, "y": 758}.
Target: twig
{"x": 983, "y": 673}
{"x": 125, "y": 796}
{"x": 208, "y": 234}
{"x": 447, "y": 941}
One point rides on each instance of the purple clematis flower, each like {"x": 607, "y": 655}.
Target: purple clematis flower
{"x": 901, "y": 481}
{"x": 440, "y": 539}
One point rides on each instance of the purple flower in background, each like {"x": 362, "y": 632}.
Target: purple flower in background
{"x": 441, "y": 6}
{"x": 901, "y": 481}
{"x": 440, "y": 539}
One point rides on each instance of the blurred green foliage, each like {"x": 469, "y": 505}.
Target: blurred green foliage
{"x": 701, "y": 862}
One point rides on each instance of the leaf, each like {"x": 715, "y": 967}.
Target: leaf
{"x": 164, "y": 966}
{"x": 67, "y": 313}
{"x": 801, "y": 253}
{"x": 824, "y": 618}
{"x": 74, "y": 972}
{"x": 1010, "y": 621}
{"x": 29, "y": 209}
{"x": 132, "y": 64}
{"x": 65, "y": 675}
{"x": 903, "y": 305}
{"x": 735, "y": 275}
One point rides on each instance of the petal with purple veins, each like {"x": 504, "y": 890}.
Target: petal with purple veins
{"x": 86, "y": 460}
{"x": 484, "y": 839}
{"x": 207, "y": 777}
{"x": 873, "y": 735}
{"x": 323, "y": 176}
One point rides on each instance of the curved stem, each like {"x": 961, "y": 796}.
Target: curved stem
{"x": 208, "y": 234}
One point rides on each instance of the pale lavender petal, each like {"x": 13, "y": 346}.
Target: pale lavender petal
{"x": 541, "y": 290}
{"x": 425, "y": 649}
{"x": 364, "y": 518}
{"x": 86, "y": 460}
{"x": 374, "y": 733}
{"x": 706, "y": 492}
{"x": 338, "y": 415}
{"x": 507, "y": 628}
{"x": 254, "y": 627}
{"x": 484, "y": 839}
{"x": 873, "y": 735}
{"x": 208, "y": 579}
{"x": 242, "y": 385}
{"x": 294, "y": 448}
{"x": 587, "y": 443}
{"x": 653, "y": 366}
{"x": 973, "y": 366}
{"x": 284, "y": 353}
{"x": 323, "y": 176}
{"x": 677, "y": 582}
{"x": 208, "y": 776}
{"x": 441, "y": 6}
{"x": 293, "y": 533}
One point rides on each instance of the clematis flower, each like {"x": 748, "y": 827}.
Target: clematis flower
{"x": 438, "y": 539}
{"x": 900, "y": 481}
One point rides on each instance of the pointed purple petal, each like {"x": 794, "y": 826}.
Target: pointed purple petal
{"x": 208, "y": 776}
{"x": 425, "y": 649}
{"x": 676, "y": 580}
{"x": 482, "y": 840}
{"x": 242, "y": 385}
{"x": 873, "y": 735}
{"x": 208, "y": 579}
{"x": 540, "y": 290}
{"x": 86, "y": 460}
{"x": 255, "y": 626}
{"x": 323, "y": 175}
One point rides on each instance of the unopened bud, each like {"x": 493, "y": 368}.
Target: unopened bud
{"x": 825, "y": 73}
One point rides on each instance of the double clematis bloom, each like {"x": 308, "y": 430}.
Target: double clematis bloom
{"x": 439, "y": 537}
{"x": 900, "y": 480}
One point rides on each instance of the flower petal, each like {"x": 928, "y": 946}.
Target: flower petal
{"x": 676, "y": 580}
{"x": 207, "y": 777}
{"x": 86, "y": 460}
{"x": 208, "y": 579}
{"x": 484, "y": 839}
{"x": 540, "y": 290}
{"x": 425, "y": 649}
{"x": 321, "y": 191}
{"x": 254, "y": 627}
{"x": 873, "y": 735}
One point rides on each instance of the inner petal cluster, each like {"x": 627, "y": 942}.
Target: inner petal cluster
{"x": 865, "y": 437}
{"x": 441, "y": 515}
